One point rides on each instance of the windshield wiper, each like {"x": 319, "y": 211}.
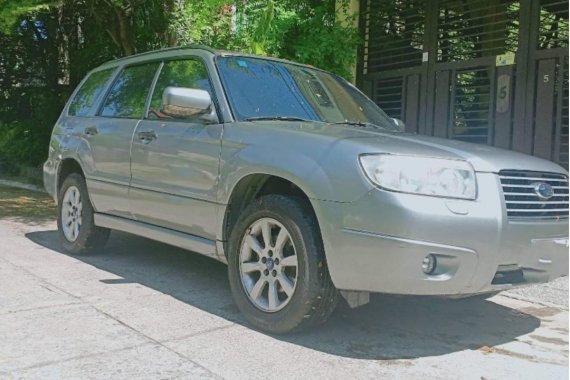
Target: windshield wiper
{"x": 361, "y": 124}
{"x": 282, "y": 118}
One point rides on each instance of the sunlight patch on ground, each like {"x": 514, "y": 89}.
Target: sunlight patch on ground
{"x": 25, "y": 206}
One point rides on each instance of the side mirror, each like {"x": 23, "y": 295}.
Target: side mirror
{"x": 183, "y": 102}
{"x": 399, "y": 124}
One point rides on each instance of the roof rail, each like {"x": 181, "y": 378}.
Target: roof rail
{"x": 202, "y": 47}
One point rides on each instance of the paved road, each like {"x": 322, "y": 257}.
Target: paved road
{"x": 143, "y": 310}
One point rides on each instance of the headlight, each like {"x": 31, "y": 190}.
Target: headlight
{"x": 421, "y": 175}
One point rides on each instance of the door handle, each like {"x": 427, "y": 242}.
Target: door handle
{"x": 90, "y": 131}
{"x": 147, "y": 136}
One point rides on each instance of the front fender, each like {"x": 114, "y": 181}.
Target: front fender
{"x": 324, "y": 168}
{"x": 299, "y": 169}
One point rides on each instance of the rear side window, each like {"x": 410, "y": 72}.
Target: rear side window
{"x": 89, "y": 93}
{"x": 189, "y": 73}
{"x": 128, "y": 95}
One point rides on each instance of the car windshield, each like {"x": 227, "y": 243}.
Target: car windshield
{"x": 266, "y": 89}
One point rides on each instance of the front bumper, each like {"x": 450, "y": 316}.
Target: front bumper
{"x": 378, "y": 243}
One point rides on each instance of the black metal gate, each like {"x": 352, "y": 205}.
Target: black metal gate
{"x": 482, "y": 71}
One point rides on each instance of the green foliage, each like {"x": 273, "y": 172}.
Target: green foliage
{"x": 320, "y": 39}
{"x": 17, "y": 142}
{"x": 300, "y": 30}
{"x": 11, "y": 11}
{"x": 201, "y": 22}
{"x": 25, "y": 128}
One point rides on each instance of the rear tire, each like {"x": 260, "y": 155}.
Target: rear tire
{"x": 75, "y": 218}
{"x": 276, "y": 296}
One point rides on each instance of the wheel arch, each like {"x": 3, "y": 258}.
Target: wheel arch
{"x": 252, "y": 187}
{"x": 66, "y": 167}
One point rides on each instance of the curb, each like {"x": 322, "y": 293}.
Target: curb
{"x": 534, "y": 301}
{"x": 21, "y": 185}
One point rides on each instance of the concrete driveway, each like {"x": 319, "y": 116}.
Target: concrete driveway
{"x": 142, "y": 309}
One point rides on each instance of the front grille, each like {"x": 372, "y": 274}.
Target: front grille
{"x": 522, "y": 200}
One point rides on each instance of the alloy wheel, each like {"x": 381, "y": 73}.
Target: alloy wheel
{"x": 71, "y": 213}
{"x": 268, "y": 265}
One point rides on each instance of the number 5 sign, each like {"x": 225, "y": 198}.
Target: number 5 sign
{"x": 503, "y": 93}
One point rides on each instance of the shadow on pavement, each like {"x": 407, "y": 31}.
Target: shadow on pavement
{"x": 389, "y": 328}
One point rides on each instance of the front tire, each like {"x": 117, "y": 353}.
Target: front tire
{"x": 277, "y": 268}
{"x": 75, "y": 218}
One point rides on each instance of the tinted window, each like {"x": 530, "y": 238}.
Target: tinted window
{"x": 89, "y": 93}
{"x": 266, "y": 88}
{"x": 128, "y": 96}
{"x": 188, "y": 73}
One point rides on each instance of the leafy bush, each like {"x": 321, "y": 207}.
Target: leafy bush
{"x": 306, "y": 31}
{"x": 25, "y": 127}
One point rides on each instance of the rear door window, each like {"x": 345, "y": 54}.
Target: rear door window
{"x": 188, "y": 73}
{"x": 89, "y": 93}
{"x": 128, "y": 95}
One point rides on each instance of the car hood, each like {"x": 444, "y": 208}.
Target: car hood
{"x": 483, "y": 158}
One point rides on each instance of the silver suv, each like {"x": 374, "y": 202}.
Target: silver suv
{"x": 300, "y": 183}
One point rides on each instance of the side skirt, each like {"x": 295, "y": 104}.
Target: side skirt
{"x": 192, "y": 243}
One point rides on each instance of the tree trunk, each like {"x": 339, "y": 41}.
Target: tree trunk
{"x": 125, "y": 35}
{"x": 119, "y": 31}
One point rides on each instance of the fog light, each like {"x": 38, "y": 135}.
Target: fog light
{"x": 429, "y": 263}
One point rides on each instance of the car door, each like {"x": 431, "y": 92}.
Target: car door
{"x": 106, "y": 152}
{"x": 175, "y": 161}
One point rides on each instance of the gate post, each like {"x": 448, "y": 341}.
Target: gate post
{"x": 524, "y": 91}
